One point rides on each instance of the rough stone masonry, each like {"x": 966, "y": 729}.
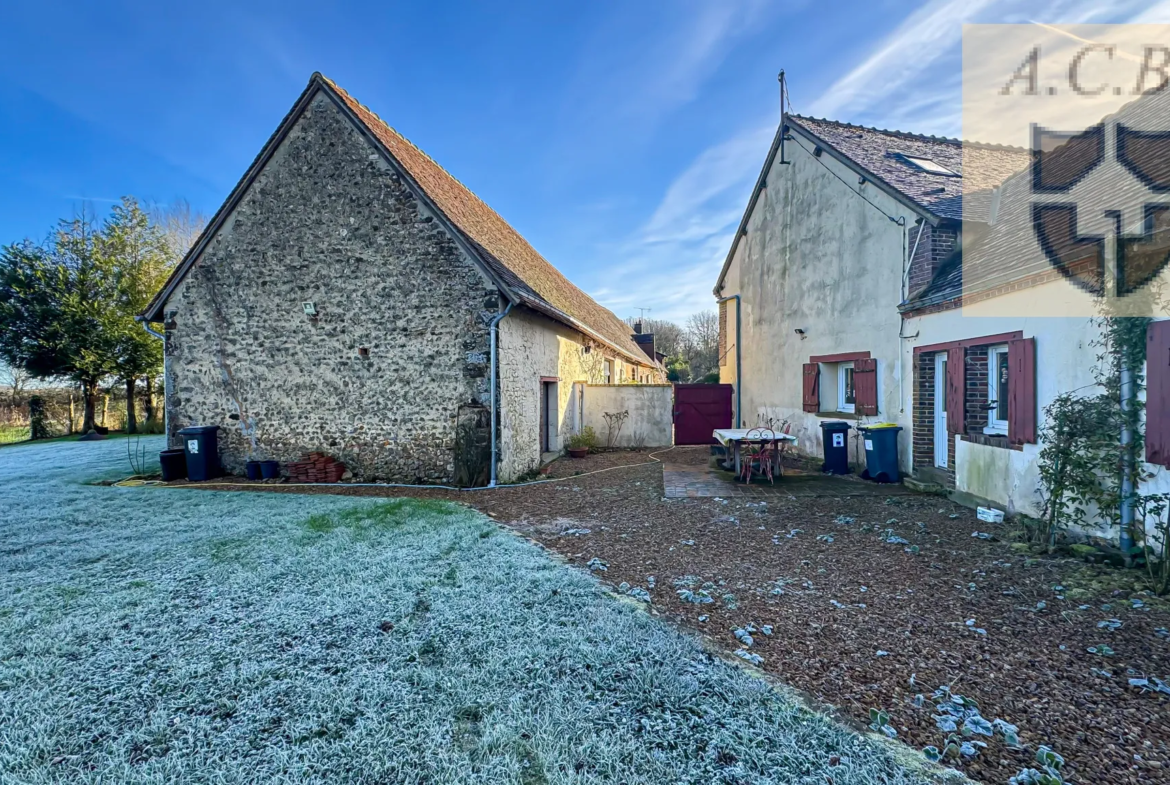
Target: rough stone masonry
{"x": 394, "y": 357}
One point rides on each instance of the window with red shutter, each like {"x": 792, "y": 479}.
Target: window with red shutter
{"x": 865, "y": 386}
{"x": 1158, "y": 393}
{"x": 956, "y": 382}
{"x": 812, "y": 398}
{"x": 1022, "y": 391}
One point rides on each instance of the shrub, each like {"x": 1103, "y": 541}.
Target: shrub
{"x": 586, "y": 439}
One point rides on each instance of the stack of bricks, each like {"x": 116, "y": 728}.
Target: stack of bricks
{"x": 316, "y": 467}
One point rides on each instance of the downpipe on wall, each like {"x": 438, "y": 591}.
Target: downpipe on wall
{"x": 493, "y": 328}
{"x": 1124, "y": 540}
{"x": 905, "y": 285}
{"x": 738, "y": 365}
{"x": 166, "y": 413}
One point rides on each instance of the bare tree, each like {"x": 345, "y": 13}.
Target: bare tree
{"x": 702, "y": 343}
{"x": 669, "y": 338}
{"x": 15, "y": 381}
{"x": 180, "y": 225}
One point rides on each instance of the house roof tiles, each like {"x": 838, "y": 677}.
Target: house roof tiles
{"x": 884, "y": 154}
{"x": 501, "y": 248}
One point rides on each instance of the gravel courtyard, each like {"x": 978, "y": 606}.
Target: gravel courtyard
{"x": 875, "y": 602}
{"x": 162, "y": 635}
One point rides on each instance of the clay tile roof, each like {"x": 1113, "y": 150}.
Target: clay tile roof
{"x": 517, "y": 263}
{"x": 884, "y": 154}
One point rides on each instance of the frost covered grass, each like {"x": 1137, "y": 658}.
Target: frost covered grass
{"x": 158, "y": 635}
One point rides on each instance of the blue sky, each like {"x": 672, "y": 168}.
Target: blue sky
{"x": 620, "y": 138}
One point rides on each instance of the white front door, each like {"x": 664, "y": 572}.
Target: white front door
{"x": 941, "y": 437}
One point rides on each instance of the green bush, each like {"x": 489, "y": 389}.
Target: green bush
{"x": 586, "y": 439}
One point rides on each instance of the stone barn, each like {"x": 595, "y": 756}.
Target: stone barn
{"x": 351, "y": 297}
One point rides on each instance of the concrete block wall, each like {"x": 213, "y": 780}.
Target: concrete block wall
{"x": 650, "y": 421}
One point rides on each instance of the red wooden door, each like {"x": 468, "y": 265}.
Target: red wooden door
{"x": 699, "y": 409}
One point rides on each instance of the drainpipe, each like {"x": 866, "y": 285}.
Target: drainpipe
{"x": 738, "y": 356}
{"x": 493, "y": 329}
{"x": 166, "y": 410}
{"x": 146, "y": 326}
{"x": 905, "y": 285}
{"x": 910, "y": 260}
{"x": 1125, "y": 541}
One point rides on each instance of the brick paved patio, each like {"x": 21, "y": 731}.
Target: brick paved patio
{"x": 681, "y": 481}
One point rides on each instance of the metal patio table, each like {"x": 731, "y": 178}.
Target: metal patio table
{"x": 736, "y": 438}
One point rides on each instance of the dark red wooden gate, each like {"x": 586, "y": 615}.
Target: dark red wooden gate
{"x": 699, "y": 409}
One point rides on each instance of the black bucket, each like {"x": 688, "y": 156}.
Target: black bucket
{"x": 174, "y": 465}
{"x": 270, "y": 470}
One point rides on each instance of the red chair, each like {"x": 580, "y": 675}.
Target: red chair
{"x": 758, "y": 455}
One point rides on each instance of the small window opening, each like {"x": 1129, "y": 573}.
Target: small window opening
{"x": 928, "y": 165}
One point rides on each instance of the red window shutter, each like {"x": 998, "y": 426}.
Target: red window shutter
{"x": 1022, "y": 391}
{"x": 956, "y": 383}
{"x": 865, "y": 386}
{"x": 812, "y": 377}
{"x": 1158, "y": 393}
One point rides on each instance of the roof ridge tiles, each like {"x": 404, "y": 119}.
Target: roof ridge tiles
{"x": 909, "y": 134}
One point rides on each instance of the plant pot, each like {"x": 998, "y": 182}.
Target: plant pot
{"x": 578, "y": 452}
{"x": 173, "y": 465}
{"x": 252, "y": 470}
{"x": 270, "y": 470}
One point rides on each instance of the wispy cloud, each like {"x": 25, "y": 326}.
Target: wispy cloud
{"x": 672, "y": 260}
{"x": 636, "y": 72}
{"x": 703, "y": 199}
{"x": 897, "y": 85}
{"x": 76, "y": 198}
{"x": 931, "y": 32}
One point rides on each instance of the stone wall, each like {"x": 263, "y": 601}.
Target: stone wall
{"x": 389, "y": 373}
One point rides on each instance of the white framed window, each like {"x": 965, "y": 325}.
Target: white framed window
{"x": 607, "y": 372}
{"x": 997, "y": 390}
{"x": 846, "y": 394}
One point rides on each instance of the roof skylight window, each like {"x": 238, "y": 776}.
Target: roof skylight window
{"x": 928, "y": 165}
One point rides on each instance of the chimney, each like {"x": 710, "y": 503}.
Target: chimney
{"x": 638, "y": 327}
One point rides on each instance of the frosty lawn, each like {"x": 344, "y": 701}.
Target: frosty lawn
{"x": 153, "y": 635}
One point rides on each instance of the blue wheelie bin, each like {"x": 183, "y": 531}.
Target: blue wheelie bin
{"x": 201, "y": 444}
{"x": 835, "y": 436}
{"x": 881, "y": 453}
